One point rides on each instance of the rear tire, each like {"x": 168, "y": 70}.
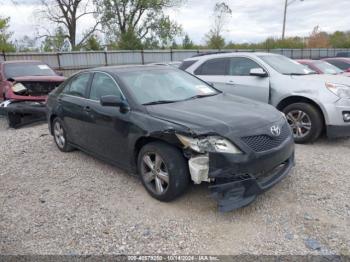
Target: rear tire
{"x": 306, "y": 122}
{"x": 60, "y": 136}
{"x": 163, "y": 170}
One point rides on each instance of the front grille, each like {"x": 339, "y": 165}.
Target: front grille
{"x": 260, "y": 143}
{"x": 40, "y": 88}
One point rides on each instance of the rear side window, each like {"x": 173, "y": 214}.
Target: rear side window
{"x": 103, "y": 85}
{"x": 186, "y": 64}
{"x": 78, "y": 86}
{"x": 218, "y": 66}
{"x": 241, "y": 66}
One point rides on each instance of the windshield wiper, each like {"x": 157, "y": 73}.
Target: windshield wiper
{"x": 160, "y": 102}
{"x": 199, "y": 96}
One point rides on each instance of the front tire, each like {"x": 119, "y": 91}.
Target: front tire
{"x": 306, "y": 122}
{"x": 163, "y": 170}
{"x": 60, "y": 136}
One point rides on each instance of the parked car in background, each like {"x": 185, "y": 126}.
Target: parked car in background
{"x": 340, "y": 62}
{"x": 312, "y": 103}
{"x": 343, "y": 54}
{"x": 25, "y": 85}
{"x": 175, "y": 64}
{"x": 321, "y": 67}
{"x": 27, "y": 80}
{"x": 170, "y": 127}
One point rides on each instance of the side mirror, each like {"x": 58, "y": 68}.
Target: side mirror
{"x": 258, "y": 72}
{"x": 111, "y": 101}
{"x": 115, "y": 101}
{"x": 60, "y": 73}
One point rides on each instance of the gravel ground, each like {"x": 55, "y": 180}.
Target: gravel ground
{"x": 56, "y": 203}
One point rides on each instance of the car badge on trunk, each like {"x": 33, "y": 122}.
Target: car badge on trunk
{"x": 275, "y": 130}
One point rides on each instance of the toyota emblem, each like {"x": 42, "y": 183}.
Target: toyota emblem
{"x": 275, "y": 130}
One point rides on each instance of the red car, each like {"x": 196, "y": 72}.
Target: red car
{"x": 24, "y": 86}
{"x": 320, "y": 67}
{"x": 27, "y": 80}
{"x": 341, "y": 62}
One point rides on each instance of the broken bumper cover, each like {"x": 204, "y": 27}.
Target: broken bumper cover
{"x": 21, "y": 113}
{"x": 241, "y": 183}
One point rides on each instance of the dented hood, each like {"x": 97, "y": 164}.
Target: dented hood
{"x": 221, "y": 114}
{"x": 337, "y": 79}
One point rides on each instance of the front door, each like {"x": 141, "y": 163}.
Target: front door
{"x": 108, "y": 128}
{"x": 232, "y": 75}
{"x": 240, "y": 82}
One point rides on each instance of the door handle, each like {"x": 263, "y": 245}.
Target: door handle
{"x": 231, "y": 83}
{"x": 87, "y": 109}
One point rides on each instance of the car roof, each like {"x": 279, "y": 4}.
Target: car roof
{"x": 346, "y": 59}
{"x": 21, "y": 61}
{"x": 129, "y": 68}
{"x": 305, "y": 60}
{"x": 230, "y": 54}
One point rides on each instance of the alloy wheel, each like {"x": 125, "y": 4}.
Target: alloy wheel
{"x": 300, "y": 123}
{"x": 155, "y": 173}
{"x": 59, "y": 135}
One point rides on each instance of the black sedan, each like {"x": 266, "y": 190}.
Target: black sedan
{"x": 170, "y": 128}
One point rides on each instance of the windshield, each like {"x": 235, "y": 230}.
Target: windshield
{"x": 285, "y": 65}
{"x": 164, "y": 86}
{"x": 27, "y": 69}
{"x": 327, "y": 68}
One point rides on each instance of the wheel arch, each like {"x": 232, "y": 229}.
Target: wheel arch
{"x": 52, "y": 117}
{"x": 301, "y": 99}
{"x": 144, "y": 140}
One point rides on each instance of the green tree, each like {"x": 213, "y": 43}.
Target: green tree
{"x": 340, "y": 39}
{"x": 221, "y": 14}
{"x": 187, "y": 43}
{"x": 134, "y": 24}
{"x": 5, "y": 43}
{"x": 54, "y": 42}
{"x": 93, "y": 43}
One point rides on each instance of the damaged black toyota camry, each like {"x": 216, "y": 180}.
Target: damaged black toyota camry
{"x": 170, "y": 128}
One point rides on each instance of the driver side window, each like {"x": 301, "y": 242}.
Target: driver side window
{"x": 103, "y": 85}
{"x": 241, "y": 66}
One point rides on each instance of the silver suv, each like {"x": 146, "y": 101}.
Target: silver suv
{"x": 312, "y": 103}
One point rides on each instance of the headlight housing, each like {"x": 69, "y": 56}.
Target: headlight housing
{"x": 209, "y": 144}
{"x": 340, "y": 90}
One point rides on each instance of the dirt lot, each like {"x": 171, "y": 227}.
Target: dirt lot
{"x": 56, "y": 203}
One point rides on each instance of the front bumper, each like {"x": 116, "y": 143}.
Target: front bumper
{"x": 240, "y": 183}
{"x": 21, "y": 113}
{"x": 335, "y": 124}
{"x": 338, "y": 131}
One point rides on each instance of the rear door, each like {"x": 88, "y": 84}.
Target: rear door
{"x": 73, "y": 104}
{"x": 214, "y": 71}
{"x": 240, "y": 82}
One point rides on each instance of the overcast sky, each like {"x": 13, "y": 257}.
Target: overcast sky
{"x": 252, "y": 20}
